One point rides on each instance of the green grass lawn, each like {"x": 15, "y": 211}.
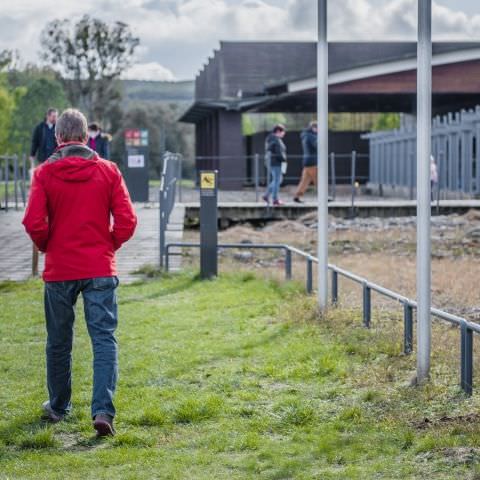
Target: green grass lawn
{"x": 186, "y": 183}
{"x": 235, "y": 378}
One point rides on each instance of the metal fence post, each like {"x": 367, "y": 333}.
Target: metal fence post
{"x": 333, "y": 175}
{"x": 24, "y": 179}
{"x": 180, "y": 175}
{"x": 334, "y": 287}
{"x": 407, "y": 328}
{"x": 288, "y": 264}
{"x": 309, "y": 276}
{"x": 256, "y": 160}
{"x": 15, "y": 180}
{"x": 466, "y": 352}
{"x": 352, "y": 180}
{"x": 367, "y": 305}
{"x": 437, "y": 192}
{"x": 6, "y": 183}
{"x": 411, "y": 159}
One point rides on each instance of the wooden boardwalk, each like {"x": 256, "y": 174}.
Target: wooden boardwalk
{"x": 142, "y": 249}
{"x": 233, "y": 212}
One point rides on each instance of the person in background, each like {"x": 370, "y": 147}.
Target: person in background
{"x": 309, "y": 171}
{"x": 275, "y": 155}
{"x": 44, "y": 142}
{"x": 98, "y": 141}
{"x": 79, "y": 213}
{"x": 433, "y": 176}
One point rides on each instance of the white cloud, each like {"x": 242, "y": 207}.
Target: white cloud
{"x": 397, "y": 20}
{"x": 179, "y": 35}
{"x": 149, "y": 71}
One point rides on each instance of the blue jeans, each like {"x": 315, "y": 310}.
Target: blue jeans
{"x": 100, "y": 306}
{"x": 274, "y": 186}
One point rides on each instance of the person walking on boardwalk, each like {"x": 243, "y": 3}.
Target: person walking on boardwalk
{"x": 74, "y": 196}
{"x": 309, "y": 171}
{"x": 276, "y": 159}
{"x": 44, "y": 142}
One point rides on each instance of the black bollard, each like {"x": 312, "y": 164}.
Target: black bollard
{"x": 208, "y": 224}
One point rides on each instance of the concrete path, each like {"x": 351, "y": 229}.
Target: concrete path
{"x": 142, "y": 249}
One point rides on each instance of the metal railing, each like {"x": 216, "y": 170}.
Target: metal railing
{"x": 467, "y": 328}
{"x": 170, "y": 174}
{"x": 254, "y": 172}
{"x": 455, "y": 148}
{"x": 13, "y": 175}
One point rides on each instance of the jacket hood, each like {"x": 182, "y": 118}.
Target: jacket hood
{"x": 271, "y": 137}
{"x": 306, "y": 132}
{"x": 73, "y": 163}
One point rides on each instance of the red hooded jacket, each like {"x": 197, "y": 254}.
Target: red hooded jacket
{"x": 74, "y": 197}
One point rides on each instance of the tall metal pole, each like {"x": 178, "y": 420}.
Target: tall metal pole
{"x": 322, "y": 154}
{"x": 424, "y": 118}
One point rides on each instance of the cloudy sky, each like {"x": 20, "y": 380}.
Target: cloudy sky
{"x": 178, "y": 35}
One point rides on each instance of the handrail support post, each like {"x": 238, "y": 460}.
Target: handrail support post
{"x": 407, "y": 329}
{"x": 309, "y": 276}
{"x": 367, "y": 305}
{"x": 466, "y": 353}
{"x": 288, "y": 264}
{"x": 334, "y": 287}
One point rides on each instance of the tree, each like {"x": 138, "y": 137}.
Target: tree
{"x": 9, "y": 59}
{"x": 37, "y": 96}
{"x": 90, "y": 56}
{"x": 387, "y": 121}
{"x": 5, "y": 59}
{"x": 7, "y": 104}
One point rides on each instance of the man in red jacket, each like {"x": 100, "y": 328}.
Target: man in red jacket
{"x": 79, "y": 212}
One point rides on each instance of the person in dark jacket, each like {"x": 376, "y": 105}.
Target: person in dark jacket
{"x": 44, "y": 142}
{"x": 309, "y": 171}
{"x": 98, "y": 141}
{"x": 275, "y": 156}
{"x": 79, "y": 213}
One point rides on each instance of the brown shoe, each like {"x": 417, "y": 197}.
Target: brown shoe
{"x": 103, "y": 424}
{"x": 50, "y": 414}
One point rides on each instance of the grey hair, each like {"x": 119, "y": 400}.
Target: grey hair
{"x": 71, "y": 126}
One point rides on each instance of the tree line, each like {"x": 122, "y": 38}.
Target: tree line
{"x": 81, "y": 64}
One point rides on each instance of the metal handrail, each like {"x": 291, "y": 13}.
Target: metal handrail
{"x": 14, "y": 171}
{"x": 466, "y": 327}
{"x": 168, "y": 182}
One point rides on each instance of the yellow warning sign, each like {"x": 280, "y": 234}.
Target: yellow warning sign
{"x": 207, "y": 180}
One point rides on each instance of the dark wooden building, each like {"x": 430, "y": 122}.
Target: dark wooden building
{"x": 281, "y": 77}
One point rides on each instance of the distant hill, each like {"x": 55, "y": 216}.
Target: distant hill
{"x": 158, "y": 92}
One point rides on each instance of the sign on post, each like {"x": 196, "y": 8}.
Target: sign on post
{"x": 136, "y": 163}
{"x": 208, "y": 224}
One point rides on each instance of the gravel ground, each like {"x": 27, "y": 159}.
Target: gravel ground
{"x": 380, "y": 249}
